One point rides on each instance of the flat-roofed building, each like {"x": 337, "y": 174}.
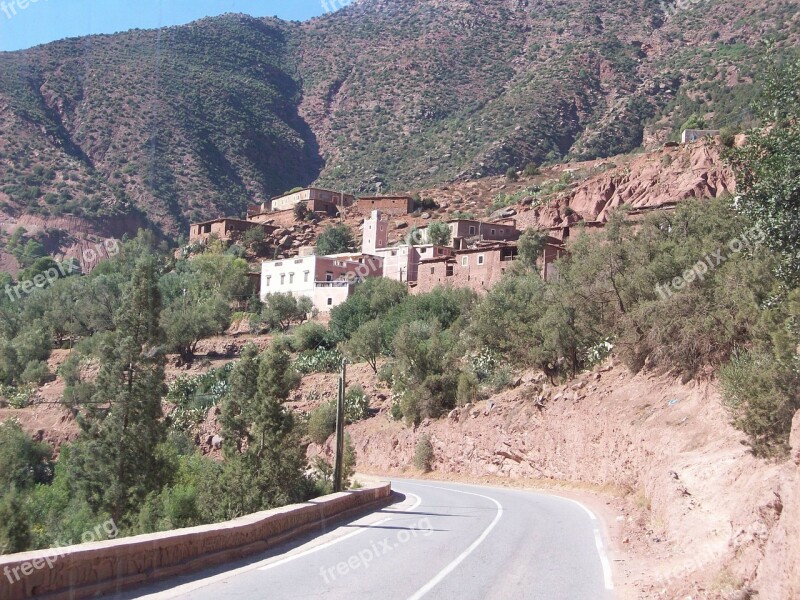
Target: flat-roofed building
{"x": 226, "y": 229}
{"x": 390, "y": 205}
{"x": 316, "y": 199}
{"x": 327, "y": 280}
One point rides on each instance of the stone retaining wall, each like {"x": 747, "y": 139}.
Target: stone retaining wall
{"x": 88, "y": 570}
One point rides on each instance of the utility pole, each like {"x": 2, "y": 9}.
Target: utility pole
{"x": 338, "y": 466}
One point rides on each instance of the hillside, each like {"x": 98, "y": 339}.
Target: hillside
{"x": 188, "y": 123}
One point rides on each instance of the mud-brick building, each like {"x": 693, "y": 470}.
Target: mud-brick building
{"x": 395, "y": 206}
{"x": 226, "y": 229}
{"x": 477, "y": 268}
{"x": 316, "y": 199}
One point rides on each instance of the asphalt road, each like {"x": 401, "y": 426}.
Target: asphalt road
{"x": 443, "y": 541}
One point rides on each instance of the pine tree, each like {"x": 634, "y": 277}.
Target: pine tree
{"x": 269, "y": 472}
{"x": 117, "y": 463}
{"x": 243, "y": 386}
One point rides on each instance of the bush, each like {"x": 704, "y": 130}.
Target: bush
{"x": 318, "y": 361}
{"x": 37, "y": 372}
{"x": 336, "y": 239}
{"x": 309, "y": 337}
{"x": 423, "y": 453}
{"x": 502, "y": 379}
{"x": 300, "y": 211}
{"x": 531, "y": 170}
{"x": 322, "y": 422}
{"x": 763, "y": 395}
{"x": 467, "y": 388}
{"x": 356, "y": 404}
{"x": 511, "y": 174}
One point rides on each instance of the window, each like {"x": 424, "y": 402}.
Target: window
{"x": 330, "y": 301}
{"x": 283, "y": 278}
{"x": 494, "y": 231}
{"x": 481, "y": 259}
{"x": 328, "y": 276}
{"x": 472, "y": 230}
{"x": 433, "y": 270}
{"x": 465, "y": 261}
{"x": 291, "y": 277}
{"x": 305, "y": 277}
{"x": 269, "y": 279}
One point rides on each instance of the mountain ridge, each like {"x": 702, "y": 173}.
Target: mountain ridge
{"x": 194, "y": 122}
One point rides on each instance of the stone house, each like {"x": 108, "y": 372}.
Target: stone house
{"x": 226, "y": 229}
{"x": 317, "y": 200}
{"x": 391, "y": 205}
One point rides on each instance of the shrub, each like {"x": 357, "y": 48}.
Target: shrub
{"x": 467, "y": 388}
{"x": 310, "y": 336}
{"x": 423, "y": 453}
{"x": 37, "y": 372}
{"x": 763, "y": 396}
{"x": 322, "y": 422}
{"x": 511, "y": 174}
{"x": 502, "y": 379}
{"x": 531, "y": 170}
{"x": 300, "y": 211}
{"x": 356, "y": 404}
{"x": 336, "y": 239}
{"x": 318, "y": 361}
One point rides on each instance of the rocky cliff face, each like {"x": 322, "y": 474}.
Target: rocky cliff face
{"x": 648, "y": 181}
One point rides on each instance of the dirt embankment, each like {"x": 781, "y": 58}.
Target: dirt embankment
{"x": 696, "y": 514}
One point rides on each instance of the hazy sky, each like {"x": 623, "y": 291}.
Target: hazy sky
{"x": 26, "y": 23}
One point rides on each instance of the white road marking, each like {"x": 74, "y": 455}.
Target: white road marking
{"x": 185, "y": 589}
{"x": 461, "y": 557}
{"x": 601, "y": 550}
{"x": 292, "y": 557}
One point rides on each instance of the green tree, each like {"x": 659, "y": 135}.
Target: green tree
{"x": 695, "y": 121}
{"x": 531, "y": 245}
{"x": 270, "y": 472}
{"x": 23, "y": 462}
{"x": 117, "y": 464}
{"x": 281, "y": 311}
{"x": 39, "y": 266}
{"x": 371, "y": 299}
{"x": 336, "y": 239}
{"x": 243, "y": 386}
{"x": 367, "y": 344}
{"x": 198, "y": 297}
{"x": 767, "y": 169}
{"x": 438, "y": 234}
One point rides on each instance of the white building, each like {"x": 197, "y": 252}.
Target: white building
{"x": 327, "y": 280}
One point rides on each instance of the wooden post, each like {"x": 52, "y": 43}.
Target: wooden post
{"x": 338, "y": 467}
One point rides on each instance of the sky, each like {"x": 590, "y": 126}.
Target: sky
{"x": 26, "y": 23}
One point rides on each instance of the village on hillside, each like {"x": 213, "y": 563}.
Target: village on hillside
{"x": 470, "y": 253}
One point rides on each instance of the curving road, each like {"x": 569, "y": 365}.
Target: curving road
{"x": 443, "y": 541}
